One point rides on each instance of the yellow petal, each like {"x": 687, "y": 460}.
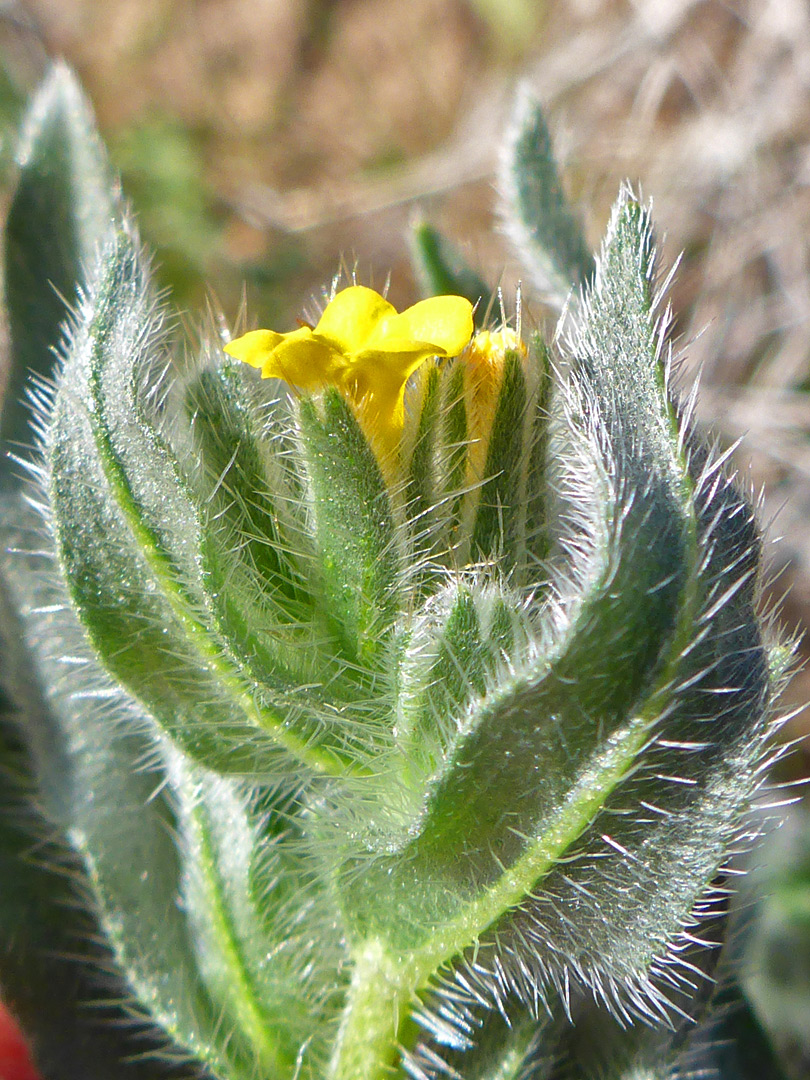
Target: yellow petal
{"x": 443, "y": 324}
{"x": 376, "y": 382}
{"x": 350, "y": 319}
{"x": 490, "y": 346}
{"x": 362, "y": 346}
{"x": 382, "y": 374}
{"x": 304, "y": 360}
{"x": 255, "y": 347}
{"x": 483, "y": 362}
{"x": 385, "y": 371}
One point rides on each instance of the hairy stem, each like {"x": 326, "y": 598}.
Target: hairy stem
{"x": 367, "y": 1043}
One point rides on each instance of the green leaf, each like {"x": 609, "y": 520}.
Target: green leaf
{"x": 703, "y": 722}
{"x": 538, "y": 218}
{"x": 50, "y": 962}
{"x": 441, "y": 270}
{"x": 357, "y": 548}
{"x": 552, "y": 717}
{"x": 247, "y": 878}
{"x": 64, "y": 208}
{"x": 623, "y": 754}
{"x": 57, "y": 968}
{"x": 128, "y": 535}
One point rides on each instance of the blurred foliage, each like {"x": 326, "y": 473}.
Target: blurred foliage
{"x": 11, "y": 103}
{"x": 162, "y": 165}
{"x": 777, "y": 955}
{"x": 512, "y": 22}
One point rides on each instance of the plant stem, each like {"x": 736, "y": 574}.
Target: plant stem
{"x": 367, "y": 1043}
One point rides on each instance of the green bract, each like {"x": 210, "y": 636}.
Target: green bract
{"x": 360, "y": 769}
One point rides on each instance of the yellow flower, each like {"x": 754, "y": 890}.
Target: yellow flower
{"x": 365, "y": 349}
{"x": 483, "y": 373}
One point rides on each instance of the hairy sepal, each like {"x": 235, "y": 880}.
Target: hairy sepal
{"x": 359, "y": 560}
{"x": 476, "y": 470}
{"x": 257, "y": 558}
{"x": 238, "y": 447}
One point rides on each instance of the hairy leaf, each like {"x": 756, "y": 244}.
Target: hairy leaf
{"x": 128, "y": 534}
{"x": 64, "y": 208}
{"x": 537, "y": 215}
{"x": 441, "y": 270}
{"x": 67, "y": 918}
{"x": 247, "y": 877}
{"x": 623, "y": 753}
